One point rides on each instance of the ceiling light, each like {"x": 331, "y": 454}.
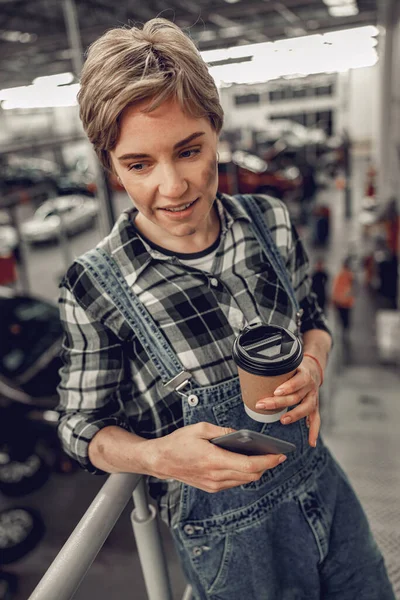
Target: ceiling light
{"x": 232, "y": 1}
{"x": 54, "y": 80}
{"x": 343, "y": 11}
{"x": 17, "y": 36}
{"x": 32, "y": 96}
{"x": 339, "y": 2}
{"x": 330, "y": 52}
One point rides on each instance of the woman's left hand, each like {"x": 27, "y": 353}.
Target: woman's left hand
{"x": 301, "y": 389}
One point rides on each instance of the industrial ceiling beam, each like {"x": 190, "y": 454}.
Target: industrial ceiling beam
{"x": 25, "y": 18}
{"x": 211, "y": 23}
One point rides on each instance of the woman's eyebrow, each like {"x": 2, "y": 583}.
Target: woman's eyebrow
{"x": 133, "y": 156}
{"x": 187, "y": 140}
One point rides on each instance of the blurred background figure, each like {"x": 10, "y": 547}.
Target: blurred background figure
{"x": 343, "y": 297}
{"x": 319, "y": 281}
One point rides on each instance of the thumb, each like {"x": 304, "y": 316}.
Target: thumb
{"x": 208, "y": 431}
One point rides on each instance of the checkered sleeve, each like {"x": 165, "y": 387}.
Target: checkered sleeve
{"x": 90, "y": 380}
{"x": 298, "y": 265}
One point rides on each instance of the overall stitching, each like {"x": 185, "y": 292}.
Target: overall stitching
{"x": 104, "y": 269}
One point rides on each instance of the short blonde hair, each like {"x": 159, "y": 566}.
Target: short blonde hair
{"x": 128, "y": 65}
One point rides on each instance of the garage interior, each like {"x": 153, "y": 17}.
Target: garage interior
{"x": 323, "y": 135}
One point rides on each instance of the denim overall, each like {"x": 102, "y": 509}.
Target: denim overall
{"x": 298, "y": 533}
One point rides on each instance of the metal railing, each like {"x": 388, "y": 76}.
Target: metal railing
{"x": 70, "y": 566}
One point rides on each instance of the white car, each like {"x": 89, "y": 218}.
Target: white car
{"x": 8, "y": 239}
{"x": 294, "y": 134}
{"x": 72, "y": 213}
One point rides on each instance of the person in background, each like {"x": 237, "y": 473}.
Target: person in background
{"x": 193, "y": 273}
{"x": 319, "y": 281}
{"x": 343, "y": 297}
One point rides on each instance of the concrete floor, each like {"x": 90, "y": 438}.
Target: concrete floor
{"x": 361, "y": 419}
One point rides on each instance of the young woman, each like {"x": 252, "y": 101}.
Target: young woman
{"x": 148, "y": 376}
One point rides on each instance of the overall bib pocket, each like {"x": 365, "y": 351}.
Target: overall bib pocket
{"x": 231, "y": 413}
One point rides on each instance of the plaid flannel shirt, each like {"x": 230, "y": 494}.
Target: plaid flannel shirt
{"x": 107, "y": 377}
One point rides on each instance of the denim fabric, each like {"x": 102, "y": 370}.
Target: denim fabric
{"x": 297, "y": 534}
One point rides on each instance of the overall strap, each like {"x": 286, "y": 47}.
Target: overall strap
{"x": 107, "y": 274}
{"x": 266, "y": 241}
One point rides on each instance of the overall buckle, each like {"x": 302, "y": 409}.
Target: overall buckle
{"x": 178, "y": 382}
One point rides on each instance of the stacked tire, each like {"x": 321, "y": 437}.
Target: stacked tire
{"x": 21, "y": 529}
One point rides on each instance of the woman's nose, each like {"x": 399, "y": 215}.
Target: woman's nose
{"x": 172, "y": 183}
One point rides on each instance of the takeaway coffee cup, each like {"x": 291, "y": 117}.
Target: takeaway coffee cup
{"x": 266, "y": 356}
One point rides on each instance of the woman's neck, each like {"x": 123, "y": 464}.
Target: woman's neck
{"x": 203, "y": 237}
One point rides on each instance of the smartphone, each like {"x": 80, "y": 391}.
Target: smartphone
{"x": 252, "y": 443}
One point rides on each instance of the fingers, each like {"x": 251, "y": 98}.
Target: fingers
{"x": 290, "y": 399}
{"x": 280, "y": 403}
{"x": 208, "y": 431}
{"x": 300, "y": 379}
{"x": 247, "y": 465}
{"x": 308, "y": 405}
{"x": 289, "y": 393}
{"x": 309, "y": 408}
{"x": 315, "y": 424}
{"x": 220, "y": 479}
{"x": 213, "y": 488}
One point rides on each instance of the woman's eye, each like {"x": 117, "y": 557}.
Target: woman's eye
{"x": 136, "y": 167}
{"x": 189, "y": 153}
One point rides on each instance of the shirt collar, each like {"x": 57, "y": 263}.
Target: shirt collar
{"x": 230, "y": 210}
{"x": 134, "y": 255}
{"x": 126, "y": 247}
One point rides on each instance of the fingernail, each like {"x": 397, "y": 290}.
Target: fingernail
{"x": 282, "y": 458}
{"x": 279, "y": 392}
{"x": 286, "y": 420}
{"x": 314, "y": 443}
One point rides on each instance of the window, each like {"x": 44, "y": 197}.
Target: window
{"x": 296, "y": 91}
{"x": 324, "y": 90}
{"x": 300, "y": 92}
{"x": 247, "y": 99}
{"x": 282, "y": 93}
{"x": 275, "y": 95}
{"x": 322, "y": 119}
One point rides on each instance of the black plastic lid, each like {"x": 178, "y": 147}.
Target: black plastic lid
{"x": 267, "y": 350}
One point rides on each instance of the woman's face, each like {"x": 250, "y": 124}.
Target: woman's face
{"x": 166, "y": 161}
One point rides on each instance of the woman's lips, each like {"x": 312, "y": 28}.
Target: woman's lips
{"x": 176, "y": 214}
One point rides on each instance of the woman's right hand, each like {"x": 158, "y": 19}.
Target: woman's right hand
{"x": 187, "y": 455}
